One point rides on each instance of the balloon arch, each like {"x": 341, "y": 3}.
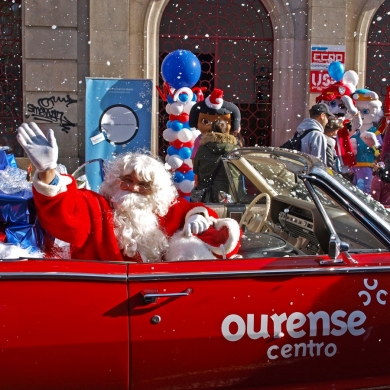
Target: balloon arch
{"x": 180, "y": 70}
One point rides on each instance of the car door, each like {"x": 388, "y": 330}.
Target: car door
{"x": 294, "y": 322}
{"x": 63, "y": 325}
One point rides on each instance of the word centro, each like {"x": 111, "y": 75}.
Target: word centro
{"x": 297, "y": 325}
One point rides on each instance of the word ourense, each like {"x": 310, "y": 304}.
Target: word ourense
{"x": 296, "y": 325}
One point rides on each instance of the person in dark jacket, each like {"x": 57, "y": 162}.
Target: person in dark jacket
{"x": 315, "y": 142}
{"x": 380, "y": 185}
{"x": 213, "y": 146}
{"x": 331, "y": 128}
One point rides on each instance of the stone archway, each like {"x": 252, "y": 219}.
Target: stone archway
{"x": 282, "y": 87}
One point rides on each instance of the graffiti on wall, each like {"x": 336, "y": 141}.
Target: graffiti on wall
{"x": 47, "y": 110}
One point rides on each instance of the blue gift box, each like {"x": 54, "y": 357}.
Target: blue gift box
{"x": 7, "y": 160}
{"x": 11, "y": 160}
{"x": 3, "y": 160}
{"x": 26, "y": 235}
{"x": 17, "y": 208}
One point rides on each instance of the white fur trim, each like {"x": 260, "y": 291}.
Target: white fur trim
{"x": 234, "y": 236}
{"x": 199, "y": 210}
{"x": 187, "y": 248}
{"x": 213, "y": 105}
{"x": 51, "y": 190}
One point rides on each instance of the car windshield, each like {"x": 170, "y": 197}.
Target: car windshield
{"x": 281, "y": 174}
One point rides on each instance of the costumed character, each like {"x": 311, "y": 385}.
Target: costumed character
{"x": 214, "y": 107}
{"x": 134, "y": 216}
{"x": 367, "y": 140}
{"x": 180, "y": 71}
{"x": 338, "y": 98}
{"x": 213, "y": 146}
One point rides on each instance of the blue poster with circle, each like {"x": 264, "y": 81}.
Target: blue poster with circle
{"x": 117, "y": 119}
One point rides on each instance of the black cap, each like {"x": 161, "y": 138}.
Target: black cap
{"x": 320, "y": 108}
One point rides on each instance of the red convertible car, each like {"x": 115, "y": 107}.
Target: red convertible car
{"x": 306, "y": 306}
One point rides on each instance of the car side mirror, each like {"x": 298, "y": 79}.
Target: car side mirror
{"x": 336, "y": 246}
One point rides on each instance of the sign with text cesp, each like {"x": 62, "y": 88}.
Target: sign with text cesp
{"x": 321, "y": 57}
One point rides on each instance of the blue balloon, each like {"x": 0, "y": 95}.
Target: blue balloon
{"x": 185, "y": 153}
{"x": 183, "y": 97}
{"x": 176, "y": 125}
{"x": 172, "y": 150}
{"x": 178, "y": 177}
{"x": 336, "y": 70}
{"x": 181, "y": 68}
{"x": 189, "y": 176}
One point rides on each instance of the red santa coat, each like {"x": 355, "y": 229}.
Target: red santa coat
{"x": 84, "y": 219}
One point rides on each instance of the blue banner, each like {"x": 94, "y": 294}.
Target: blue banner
{"x": 118, "y": 119}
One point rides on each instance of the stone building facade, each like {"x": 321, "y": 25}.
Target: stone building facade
{"x": 65, "y": 41}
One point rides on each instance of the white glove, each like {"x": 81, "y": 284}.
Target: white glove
{"x": 196, "y": 224}
{"x": 42, "y": 151}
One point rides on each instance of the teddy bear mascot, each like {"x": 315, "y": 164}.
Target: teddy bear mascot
{"x": 338, "y": 97}
{"x": 133, "y": 218}
{"x": 367, "y": 140}
{"x": 207, "y": 111}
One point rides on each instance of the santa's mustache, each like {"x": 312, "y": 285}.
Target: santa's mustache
{"x": 125, "y": 201}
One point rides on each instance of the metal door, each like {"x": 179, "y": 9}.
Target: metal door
{"x": 378, "y": 51}
{"x": 234, "y": 43}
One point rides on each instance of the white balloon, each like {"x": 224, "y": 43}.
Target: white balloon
{"x": 186, "y": 186}
{"x": 186, "y": 90}
{"x": 170, "y": 135}
{"x": 188, "y": 106}
{"x": 195, "y": 133}
{"x": 188, "y": 161}
{"x": 184, "y": 135}
{"x": 175, "y": 161}
{"x": 176, "y": 108}
{"x": 168, "y": 109}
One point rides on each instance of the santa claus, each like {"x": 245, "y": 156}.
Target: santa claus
{"x": 137, "y": 216}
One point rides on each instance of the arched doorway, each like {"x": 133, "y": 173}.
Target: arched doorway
{"x": 10, "y": 74}
{"x": 234, "y": 43}
{"x": 378, "y": 51}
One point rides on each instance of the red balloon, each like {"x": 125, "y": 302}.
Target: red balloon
{"x": 177, "y": 144}
{"x": 184, "y": 168}
{"x": 189, "y": 144}
{"x": 183, "y": 117}
{"x": 181, "y": 193}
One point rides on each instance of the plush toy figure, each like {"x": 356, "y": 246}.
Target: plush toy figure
{"x": 204, "y": 113}
{"x": 338, "y": 98}
{"x": 367, "y": 139}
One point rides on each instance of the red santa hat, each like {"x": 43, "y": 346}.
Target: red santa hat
{"x": 215, "y": 100}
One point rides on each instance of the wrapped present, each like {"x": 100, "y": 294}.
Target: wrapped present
{"x": 17, "y": 207}
{"x": 7, "y": 159}
{"x": 11, "y": 160}
{"x": 26, "y": 235}
{"x": 3, "y": 160}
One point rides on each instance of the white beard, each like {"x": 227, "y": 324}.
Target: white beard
{"x": 136, "y": 226}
